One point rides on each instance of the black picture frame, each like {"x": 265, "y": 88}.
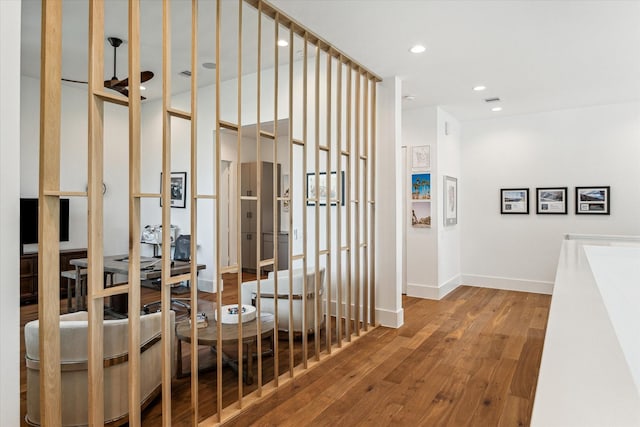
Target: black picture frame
{"x": 514, "y": 201}
{"x": 552, "y": 200}
{"x": 178, "y": 191}
{"x": 311, "y": 195}
{"x": 593, "y": 200}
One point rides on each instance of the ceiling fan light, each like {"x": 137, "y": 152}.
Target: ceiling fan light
{"x": 418, "y": 48}
{"x": 142, "y": 87}
{"x": 283, "y": 43}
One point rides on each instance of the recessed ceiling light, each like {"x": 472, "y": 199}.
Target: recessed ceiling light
{"x": 142, "y": 87}
{"x": 209, "y": 65}
{"x": 409, "y": 97}
{"x": 479, "y": 88}
{"x": 283, "y": 43}
{"x": 496, "y": 109}
{"x": 417, "y": 49}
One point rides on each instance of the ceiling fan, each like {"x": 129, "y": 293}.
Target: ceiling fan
{"x": 114, "y": 83}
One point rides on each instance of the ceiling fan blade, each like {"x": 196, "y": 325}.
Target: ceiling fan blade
{"x": 112, "y": 83}
{"x": 73, "y": 81}
{"x": 146, "y": 76}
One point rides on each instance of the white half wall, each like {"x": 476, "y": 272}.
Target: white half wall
{"x": 389, "y": 242}
{"x": 10, "y": 212}
{"x": 590, "y": 146}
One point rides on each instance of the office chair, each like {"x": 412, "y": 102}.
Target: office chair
{"x": 182, "y": 307}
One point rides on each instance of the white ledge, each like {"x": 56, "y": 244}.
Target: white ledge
{"x": 586, "y": 378}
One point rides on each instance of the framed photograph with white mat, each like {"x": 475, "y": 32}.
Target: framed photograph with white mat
{"x": 593, "y": 200}
{"x": 450, "y": 200}
{"x": 551, "y": 200}
{"x": 421, "y": 158}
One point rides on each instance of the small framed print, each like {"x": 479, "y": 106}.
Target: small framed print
{"x": 551, "y": 200}
{"x": 450, "y": 200}
{"x": 514, "y": 201}
{"x": 593, "y": 200}
{"x": 178, "y": 189}
{"x": 421, "y": 158}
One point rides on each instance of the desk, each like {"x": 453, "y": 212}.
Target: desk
{"x": 209, "y": 336}
{"x": 150, "y": 269}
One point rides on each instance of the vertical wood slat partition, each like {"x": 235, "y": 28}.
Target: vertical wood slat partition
{"x": 95, "y": 215}
{"x": 356, "y": 303}
{"x": 49, "y": 214}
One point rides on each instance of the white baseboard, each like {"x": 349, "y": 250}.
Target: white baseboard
{"x": 420, "y": 290}
{"x": 508, "y": 284}
{"x": 207, "y": 285}
{"x": 388, "y": 318}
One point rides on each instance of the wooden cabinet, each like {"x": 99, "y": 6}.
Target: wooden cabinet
{"x": 248, "y": 209}
{"x": 283, "y": 250}
{"x": 29, "y": 273}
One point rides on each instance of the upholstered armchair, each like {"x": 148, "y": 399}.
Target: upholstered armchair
{"x": 267, "y": 295}
{"x": 73, "y": 356}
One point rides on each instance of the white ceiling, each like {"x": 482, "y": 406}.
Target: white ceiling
{"x": 535, "y": 55}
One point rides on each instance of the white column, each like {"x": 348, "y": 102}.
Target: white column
{"x": 10, "y": 212}
{"x": 388, "y": 198}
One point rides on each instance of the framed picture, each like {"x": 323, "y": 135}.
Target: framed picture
{"x": 421, "y": 214}
{"x": 421, "y": 186}
{"x": 178, "y": 189}
{"x": 450, "y": 200}
{"x": 551, "y": 200}
{"x": 320, "y": 190}
{"x": 514, "y": 201}
{"x": 593, "y": 200}
{"x": 421, "y": 158}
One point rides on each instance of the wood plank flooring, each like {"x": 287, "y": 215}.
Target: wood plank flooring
{"x": 471, "y": 359}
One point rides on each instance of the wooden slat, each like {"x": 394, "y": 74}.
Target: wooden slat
{"x": 218, "y": 141}
{"x": 358, "y": 215}
{"x": 253, "y": 198}
{"x": 65, "y": 193}
{"x": 345, "y": 153}
{"x": 291, "y": 205}
{"x": 206, "y": 196}
{"x": 372, "y": 178}
{"x": 165, "y": 291}
{"x": 297, "y": 257}
{"x": 259, "y": 186}
{"x": 276, "y": 219}
{"x": 365, "y": 216}
{"x": 49, "y": 214}
{"x": 110, "y": 97}
{"x": 177, "y": 279}
{"x": 266, "y": 262}
{"x": 111, "y": 291}
{"x": 95, "y": 245}
{"x": 147, "y": 195}
{"x": 134, "y": 217}
{"x": 228, "y": 125}
{"x": 328, "y": 237}
{"x": 265, "y": 134}
{"x": 318, "y": 301}
{"x": 305, "y": 114}
{"x": 297, "y": 142}
{"x": 302, "y": 31}
{"x": 339, "y": 150}
{"x": 348, "y": 142}
{"x": 174, "y": 112}
{"x": 229, "y": 269}
{"x": 323, "y": 148}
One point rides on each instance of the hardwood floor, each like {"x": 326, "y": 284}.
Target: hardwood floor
{"x": 470, "y": 359}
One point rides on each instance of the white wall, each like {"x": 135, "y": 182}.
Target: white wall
{"x": 9, "y": 213}
{"x": 432, "y": 254}
{"x": 419, "y": 127}
{"x": 73, "y": 162}
{"x": 449, "y": 160}
{"x": 580, "y": 147}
